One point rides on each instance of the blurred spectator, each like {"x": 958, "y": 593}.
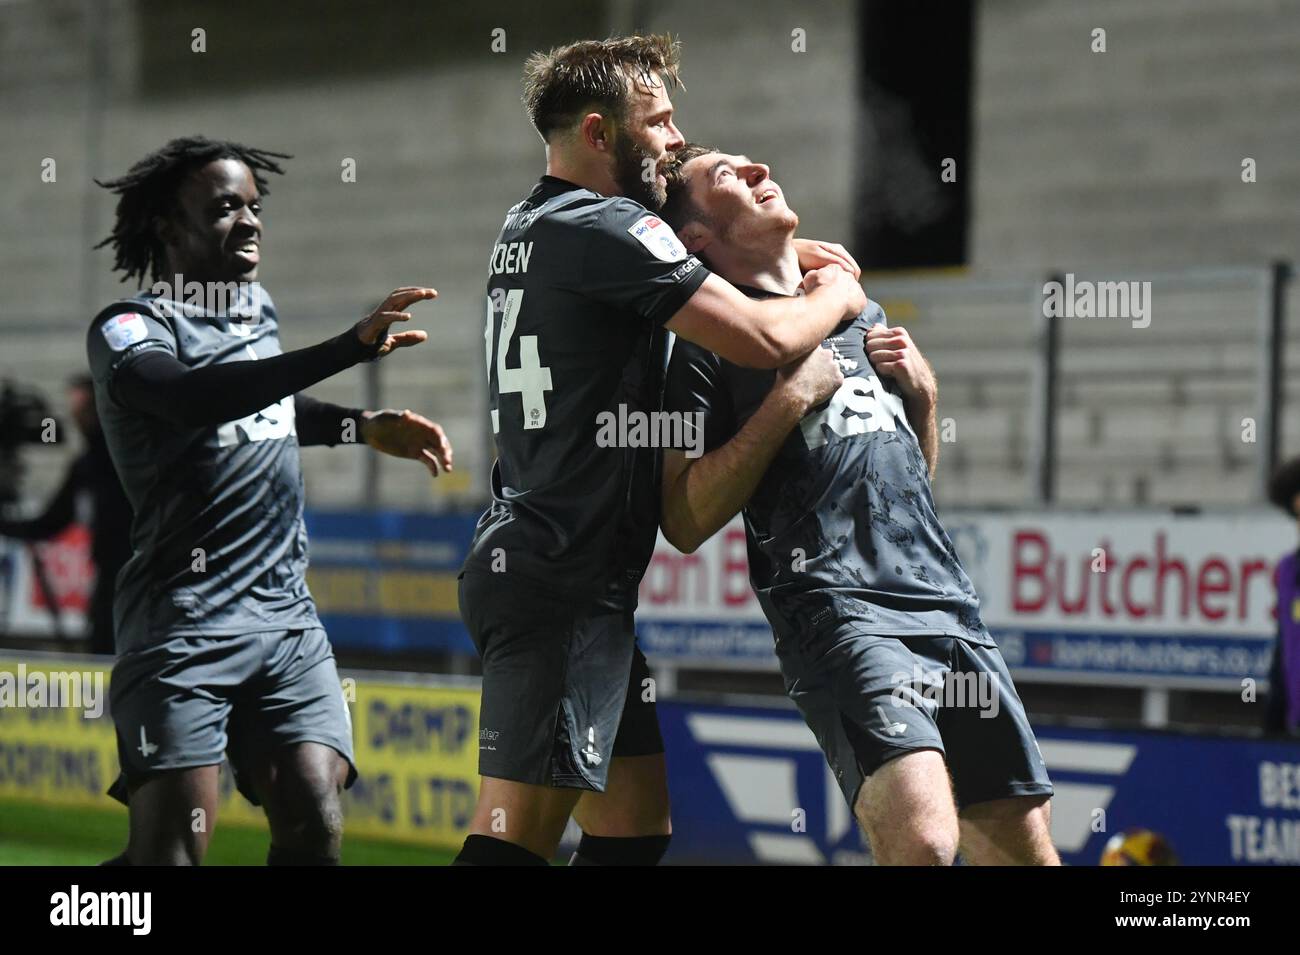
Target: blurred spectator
{"x": 1282, "y": 710}
{"x": 90, "y": 478}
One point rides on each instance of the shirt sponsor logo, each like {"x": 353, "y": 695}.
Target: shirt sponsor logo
{"x": 860, "y": 406}
{"x": 270, "y": 424}
{"x": 659, "y": 238}
{"x": 123, "y": 331}
{"x": 685, "y": 269}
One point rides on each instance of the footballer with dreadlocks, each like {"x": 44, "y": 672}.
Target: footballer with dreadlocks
{"x": 220, "y": 649}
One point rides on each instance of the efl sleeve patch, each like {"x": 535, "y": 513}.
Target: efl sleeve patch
{"x": 657, "y": 236}
{"x": 123, "y": 331}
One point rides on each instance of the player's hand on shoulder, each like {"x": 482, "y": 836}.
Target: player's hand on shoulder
{"x": 373, "y": 330}
{"x": 813, "y": 254}
{"x": 835, "y": 278}
{"x": 892, "y": 352}
{"x": 405, "y": 434}
{"x": 811, "y": 379}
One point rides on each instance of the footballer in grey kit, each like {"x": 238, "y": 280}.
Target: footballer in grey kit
{"x": 583, "y": 283}
{"x": 876, "y": 624}
{"x": 220, "y": 651}
{"x": 587, "y": 281}
{"x": 186, "y": 483}
{"x": 838, "y": 529}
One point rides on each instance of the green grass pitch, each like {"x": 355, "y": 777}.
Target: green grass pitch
{"x": 33, "y": 834}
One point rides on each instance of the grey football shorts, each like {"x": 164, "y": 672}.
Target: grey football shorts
{"x": 193, "y": 701}
{"x": 869, "y": 699}
{"x": 563, "y": 685}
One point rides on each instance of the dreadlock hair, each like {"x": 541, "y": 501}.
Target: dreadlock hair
{"x": 148, "y": 191}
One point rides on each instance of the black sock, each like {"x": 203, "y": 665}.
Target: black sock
{"x": 485, "y": 850}
{"x": 620, "y": 850}
{"x": 279, "y": 856}
{"x": 118, "y": 860}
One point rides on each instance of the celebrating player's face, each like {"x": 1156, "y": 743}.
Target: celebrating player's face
{"x": 738, "y": 197}
{"x": 214, "y": 234}
{"x": 645, "y": 142}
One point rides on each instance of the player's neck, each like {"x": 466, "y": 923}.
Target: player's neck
{"x": 595, "y": 177}
{"x": 772, "y": 270}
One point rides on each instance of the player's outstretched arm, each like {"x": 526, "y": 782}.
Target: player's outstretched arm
{"x": 767, "y": 333}
{"x": 700, "y": 495}
{"x": 157, "y": 383}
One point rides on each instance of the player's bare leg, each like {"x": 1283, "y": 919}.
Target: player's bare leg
{"x": 530, "y": 817}
{"x": 634, "y": 803}
{"x": 166, "y": 825}
{"x": 1014, "y": 831}
{"x": 300, "y": 787}
{"x": 907, "y": 810}
{"x": 630, "y": 822}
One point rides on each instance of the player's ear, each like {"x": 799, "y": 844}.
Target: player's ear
{"x": 695, "y": 236}
{"x": 595, "y": 132}
{"x": 164, "y": 230}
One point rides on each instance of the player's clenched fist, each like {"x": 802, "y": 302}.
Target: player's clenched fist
{"x": 812, "y": 379}
{"x": 892, "y": 352}
{"x": 373, "y": 329}
{"x": 840, "y": 282}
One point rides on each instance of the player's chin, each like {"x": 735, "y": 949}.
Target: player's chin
{"x": 242, "y": 269}
{"x": 243, "y": 265}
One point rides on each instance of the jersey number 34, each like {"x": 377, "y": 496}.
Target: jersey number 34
{"x": 530, "y": 379}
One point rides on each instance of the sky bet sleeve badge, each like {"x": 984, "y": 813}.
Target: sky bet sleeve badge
{"x": 123, "y": 331}
{"x": 655, "y": 235}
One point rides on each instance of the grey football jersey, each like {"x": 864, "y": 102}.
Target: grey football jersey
{"x": 219, "y": 544}
{"x": 842, "y": 527}
{"x": 579, "y": 287}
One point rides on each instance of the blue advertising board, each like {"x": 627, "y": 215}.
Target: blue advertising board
{"x": 1105, "y": 598}
{"x": 385, "y": 581}
{"x": 749, "y": 784}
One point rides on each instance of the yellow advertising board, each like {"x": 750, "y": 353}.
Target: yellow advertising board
{"x": 415, "y": 739}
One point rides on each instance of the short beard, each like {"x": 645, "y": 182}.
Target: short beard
{"x": 630, "y": 163}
